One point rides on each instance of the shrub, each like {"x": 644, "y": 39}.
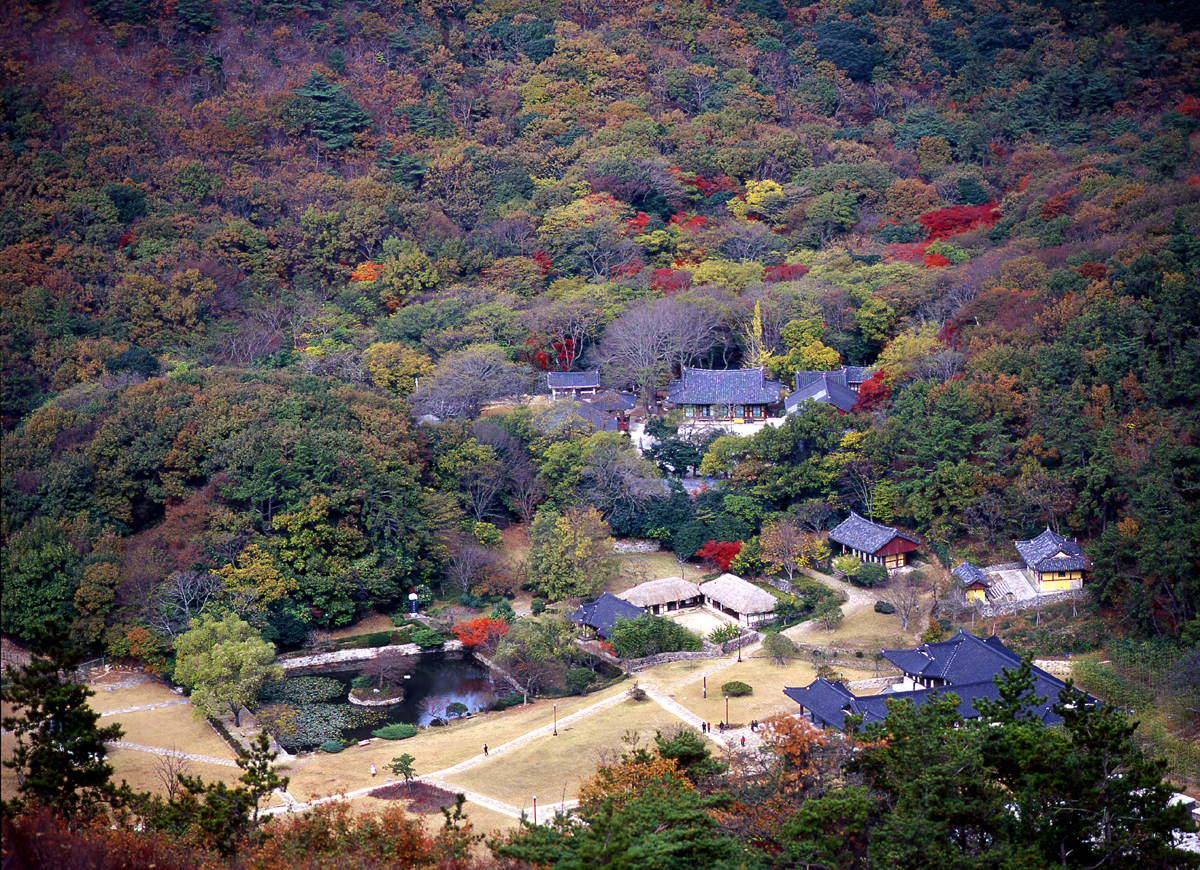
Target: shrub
{"x": 637, "y": 693}
{"x": 727, "y": 632}
{"x": 736, "y": 689}
{"x": 362, "y": 681}
{"x": 846, "y": 563}
{"x": 869, "y": 575}
{"x": 332, "y": 746}
{"x": 427, "y": 638}
{"x": 578, "y": 680}
{"x": 538, "y": 607}
{"x": 379, "y": 638}
{"x": 649, "y": 635}
{"x": 397, "y": 731}
{"x": 884, "y": 607}
{"x": 512, "y": 699}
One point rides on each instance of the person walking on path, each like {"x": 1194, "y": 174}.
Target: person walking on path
{"x": 743, "y": 741}
{"x": 485, "y": 752}
{"x": 372, "y": 771}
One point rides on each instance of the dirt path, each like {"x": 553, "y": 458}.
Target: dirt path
{"x": 856, "y": 601}
{"x": 731, "y": 740}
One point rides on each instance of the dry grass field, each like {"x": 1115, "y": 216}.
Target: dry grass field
{"x": 434, "y": 748}
{"x": 552, "y": 767}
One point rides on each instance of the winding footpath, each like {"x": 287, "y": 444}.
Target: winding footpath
{"x": 730, "y": 740}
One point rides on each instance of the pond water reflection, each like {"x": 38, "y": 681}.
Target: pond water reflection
{"x": 437, "y": 683}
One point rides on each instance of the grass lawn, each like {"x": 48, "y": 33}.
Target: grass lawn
{"x": 171, "y": 728}
{"x": 639, "y": 567}
{"x": 865, "y": 630}
{"x": 684, "y": 682}
{"x": 138, "y": 769}
{"x": 434, "y": 748}
{"x": 113, "y": 697}
{"x": 551, "y": 766}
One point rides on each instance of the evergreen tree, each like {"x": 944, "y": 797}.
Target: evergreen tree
{"x": 59, "y": 754}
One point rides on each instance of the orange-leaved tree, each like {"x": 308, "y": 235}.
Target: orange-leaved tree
{"x": 483, "y": 631}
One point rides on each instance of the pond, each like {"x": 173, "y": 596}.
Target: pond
{"x": 437, "y": 682}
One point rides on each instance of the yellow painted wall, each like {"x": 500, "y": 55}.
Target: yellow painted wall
{"x": 1051, "y": 583}
{"x": 977, "y": 594}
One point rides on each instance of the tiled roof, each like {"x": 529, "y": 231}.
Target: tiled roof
{"x": 610, "y": 400}
{"x": 969, "y": 574}
{"x": 963, "y": 658}
{"x": 968, "y": 663}
{"x": 803, "y": 379}
{"x": 573, "y": 380}
{"x": 723, "y": 387}
{"x": 735, "y": 593}
{"x": 603, "y": 613}
{"x": 828, "y": 388}
{"x": 828, "y": 701}
{"x": 857, "y": 374}
{"x": 865, "y": 536}
{"x": 1052, "y": 552}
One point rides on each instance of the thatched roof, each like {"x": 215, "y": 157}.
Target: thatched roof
{"x": 735, "y": 593}
{"x": 661, "y": 591}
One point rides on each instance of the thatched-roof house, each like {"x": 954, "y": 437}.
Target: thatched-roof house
{"x": 665, "y": 595}
{"x": 734, "y": 597}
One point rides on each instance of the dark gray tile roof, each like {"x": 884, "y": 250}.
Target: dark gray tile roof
{"x": 976, "y": 662}
{"x": 573, "y": 380}
{"x": 603, "y": 613}
{"x": 968, "y": 574}
{"x": 1052, "y": 552}
{"x": 826, "y": 388}
{"x": 803, "y": 379}
{"x": 723, "y": 387}
{"x": 857, "y": 374}
{"x": 828, "y": 701}
{"x": 611, "y": 400}
{"x": 963, "y": 658}
{"x": 865, "y": 536}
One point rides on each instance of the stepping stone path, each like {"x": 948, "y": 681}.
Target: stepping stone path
{"x": 144, "y": 707}
{"x": 171, "y": 753}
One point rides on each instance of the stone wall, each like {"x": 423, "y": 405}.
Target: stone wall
{"x": 708, "y": 652}
{"x": 345, "y": 659}
{"x": 1006, "y": 608}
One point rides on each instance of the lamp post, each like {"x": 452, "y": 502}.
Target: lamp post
{"x": 535, "y": 809}
{"x": 726, "y": 711}
{"x": 555, "y": 720}
{"x": 412, "y": 603}
{"x": 705, "y": 685}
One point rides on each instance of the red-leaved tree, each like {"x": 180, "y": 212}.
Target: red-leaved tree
{"x": 482, "y": 631}
{"x": 720, "y": 553}
{"x": 873, "y": 392}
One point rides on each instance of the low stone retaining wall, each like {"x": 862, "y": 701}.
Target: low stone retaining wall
{"x": 345, "y": 658}
{"x": 1006, "y": 608}
{"x": 708, "y": 652}
{"x": 744, "y": 639}
{"x": 873, "y": 683}
{"x": 1054, "y": 667}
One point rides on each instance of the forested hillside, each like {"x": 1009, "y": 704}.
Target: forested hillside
{"x": 243, "y": 243}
